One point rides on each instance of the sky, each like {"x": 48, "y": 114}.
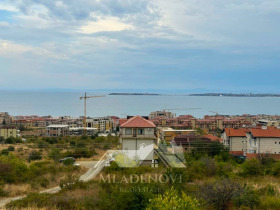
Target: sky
{"x": 162, "y": 45}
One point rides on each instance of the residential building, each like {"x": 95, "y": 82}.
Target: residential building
{"x": 57, "y": 130}
{"x": 235, "y": 140}
{"x": 263, "y": 141}
{"x": 164, "y": 114}
{"x": 259, "y": 140}
{"x": 103, "y": 124}
{"x": 8, "y": 131}
{"x": 79, "y": 131}
{"x": 167, "y": 134}
{"x": 188, "y": 141}
{"x": 138, "y": 132}
{"x": 265, "y": 122}
{"x": 5, "y": 118}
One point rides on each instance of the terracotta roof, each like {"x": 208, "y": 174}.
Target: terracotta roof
{"x": 232, "y": 132}
{"x": 273, "y": 133}
{"x": 213, "y": 138}
{"x": 138, "y": 122}
{"x": 122, "y": 121}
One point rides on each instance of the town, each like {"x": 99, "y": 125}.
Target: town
{"x": 245, "y": 135}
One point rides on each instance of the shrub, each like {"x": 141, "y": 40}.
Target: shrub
{"x": 42, "y": 144}
{"x": 13, "y": 169}
{"x": 4, "y": 152}
{"x": 44, "y": 182}
{"x": 219, "y": 193}
{"x": 248, "y": 197}
{"x": 252, "y": 167}
{"x": 2, "y": 193}
{"x": 34, "y": 155}
{"x": 55, "y": 155}
{"x": 39, "y": 200}
{"x": 276, "y": 169}
{"x": 11, "y": 148}
{"x": 210, "y": 166}
{"x": 269, "y": 190}
{"x": 69, "y": 182}
{"x": 269, "y": 202}
{"x": 68, "y": 161}
{"x": 173, "y": 200}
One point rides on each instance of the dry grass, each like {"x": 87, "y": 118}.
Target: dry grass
{"x": 80, "y": 193}
{"x": 19, "y": 189}
{"x": 14, "y": 190}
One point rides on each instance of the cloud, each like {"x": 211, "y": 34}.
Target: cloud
{"x": 140, "y": 43}
{"x": 107, "y": 24}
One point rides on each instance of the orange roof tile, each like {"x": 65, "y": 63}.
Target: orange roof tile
{"x": 273, "y": 133}
{"x": 122, "y": 121}
{"x": 232, "y": 132}
{"x": 213, "y": 138}
{"x": 138, "y": 122}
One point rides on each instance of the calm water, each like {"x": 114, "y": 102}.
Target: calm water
{"x": 68, "y": 103}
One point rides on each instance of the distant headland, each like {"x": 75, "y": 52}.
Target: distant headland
{"x": 136, "y": 94}
{"x": 237, "y": 95}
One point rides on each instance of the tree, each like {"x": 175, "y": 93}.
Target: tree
{"x": 55, "y": 155}
{"x": 172, "y": 200}
{"x": 220, "y": 193}
{"x": 200, "y": 132}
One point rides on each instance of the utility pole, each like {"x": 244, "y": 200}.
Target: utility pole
{"x": 85, "y": 109}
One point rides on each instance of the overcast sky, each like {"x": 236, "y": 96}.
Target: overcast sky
{"x": 223, "y": 45}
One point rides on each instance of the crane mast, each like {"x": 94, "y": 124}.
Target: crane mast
{"x": 85, "y": 97}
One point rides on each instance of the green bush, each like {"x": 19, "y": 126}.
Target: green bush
{"x": 2, "y": 192}
{"x": 248, "y": 197}
{"x": 12, "y": 169}
{"x": 68, "y": 162}
{"x": 173, "y": 200}
{"x": 4, "y": 152}
{"x": 55, "y": 155}
{"x": 39, "y": 200}
{"x": 11, "y": 148}
{"x": 35, "y": 155}
{"x": 269, "y": 190}
{"x": 252, "y": 168}
{"x": 269, "y": 202}
{"x": 12, "y": 140}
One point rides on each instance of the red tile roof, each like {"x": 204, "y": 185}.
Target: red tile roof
{"x": 138, "y": 122}
{"x": 213, "y": 138}
{"x": 273, "y": 133}
{"x": 122, "y": 121}
{"x": 232, "y": 132}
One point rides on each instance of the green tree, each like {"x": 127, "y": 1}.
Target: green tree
{"x": 55, "y": 155}
{"x": 173, "y": 200}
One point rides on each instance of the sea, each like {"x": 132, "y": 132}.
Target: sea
{"x": 68, "y": 103}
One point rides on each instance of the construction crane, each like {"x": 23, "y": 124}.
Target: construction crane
{"x": 214, "y": 112}
{"x": 181, "y": 109}
{"x": 85, "y": 109}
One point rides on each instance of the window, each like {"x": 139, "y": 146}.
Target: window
{"x": 128, "y": 131}
{"x": 140, "y": 131}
